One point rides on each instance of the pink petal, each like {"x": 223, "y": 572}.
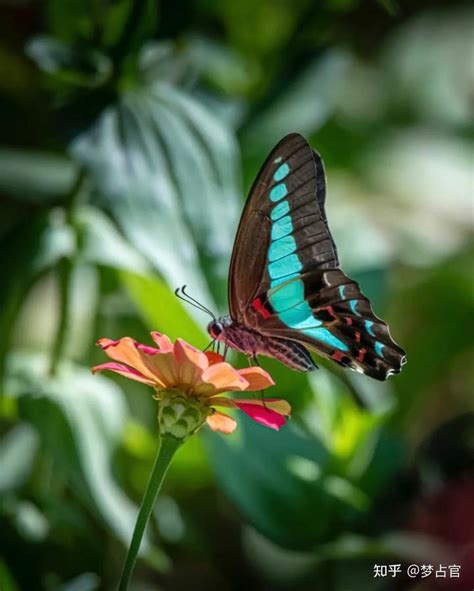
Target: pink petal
{"x": 164, "y": 343}
{"x": 146, "y": 349}
{"x": 123, "y": 370}
{"x": 262, "y": 415}
{"x": 106, "y": 343}
{"x": 219, "y": 421}
{"x": 280, "y": 406}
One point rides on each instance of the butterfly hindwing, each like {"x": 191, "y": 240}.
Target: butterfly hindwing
{"x": 333, "y": 318}
{"x": 285, "y": 280}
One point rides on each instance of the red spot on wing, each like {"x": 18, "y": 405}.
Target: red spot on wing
{"x": 360, "y": 356}
{"x": 329, "y": 310}
{"x": 348, "y": 321}
{"x": 357, "y": 337}
{"x": 337, "y": 355}
{"x": 257, "y": 305}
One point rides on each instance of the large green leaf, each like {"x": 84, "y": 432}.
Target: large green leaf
{"x": 283, "y": 484}
{"x": 35, "y": 176}
{"x": 17, "y": 451}
{"x": 101, "y": 242}
{"x": 316, "y": 478}
{"x": 166, "y": 169}
{"x": 161, "y": 310}
{"x": 80, "y": 419}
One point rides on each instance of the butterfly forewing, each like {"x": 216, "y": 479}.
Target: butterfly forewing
{"x": 283, "y": 195}
{"x": 285, "y": 280}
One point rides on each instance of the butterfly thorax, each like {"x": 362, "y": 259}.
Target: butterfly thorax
{"x": 252, "y": 343}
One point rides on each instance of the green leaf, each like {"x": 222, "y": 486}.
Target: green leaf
{"x": 35, "y": 176}
{"x": 166, "y": 169}
{"x": 161, "y": 309}
{"x": 83, "y": 582}
{"x": 119, "y": 15}
{"x": 317, "y": 477}
{"x": 281, "y": 484}
{"x": 81, "y": 66}
{"x": 35, "y": 245}
{"x": 70, "y": 21}
{"x": 101, "y": 243}
{"x": 306, "y": 104}
{"x": 7, "y": 582}
{"x": 17, "y": 451}
{"x": 162, "y": 61}
{"x": 85, "y": 413}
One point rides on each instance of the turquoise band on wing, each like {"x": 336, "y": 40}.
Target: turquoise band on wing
{"x": 281, "y": 172}
{"x": 281, "y": 248}
{"x": 283, "y": 267}
{"x": 282, "y": 227}
{"x": 287, "y": 289}
{"x": 280, "y": 210}
{"x": 278, "y": 192}
{"x": 353, "y": 304}
{"x": 368, "y": 327}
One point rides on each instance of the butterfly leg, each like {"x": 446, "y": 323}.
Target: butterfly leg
{"x": 211, "y": 346}
{"x": 254, "y": 358}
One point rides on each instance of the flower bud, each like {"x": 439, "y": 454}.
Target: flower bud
{"x": 180, "y": 415}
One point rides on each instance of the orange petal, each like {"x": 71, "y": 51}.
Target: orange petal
{"x": 257, "y": 378}
{"x": 220, "y": 377}
{"x": 163, "y": 364}
{"x": 219, "y": 421}
{"x": 190, "y": 361}
{"x": 164, "y": 343}
{"x": 125, "y": 351}
{"x": 123, "y": 370}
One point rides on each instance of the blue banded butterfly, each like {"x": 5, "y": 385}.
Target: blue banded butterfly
{"x": 286, "y": 290}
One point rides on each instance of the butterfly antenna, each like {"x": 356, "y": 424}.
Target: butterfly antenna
{"x": 181, "y": 293}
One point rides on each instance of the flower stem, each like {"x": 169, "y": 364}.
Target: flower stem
{"x": 168, "y": 447}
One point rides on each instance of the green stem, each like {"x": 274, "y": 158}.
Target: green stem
{"x": 168, "y": 447}
{"x": 121, "y": 51}
{"x": 65, "y": 269}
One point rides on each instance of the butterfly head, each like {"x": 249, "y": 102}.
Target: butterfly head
{"x": 217, "y": 327}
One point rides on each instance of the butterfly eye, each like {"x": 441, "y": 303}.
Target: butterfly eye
{"x": 215, "y": 329}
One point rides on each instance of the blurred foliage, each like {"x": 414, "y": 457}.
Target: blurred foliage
{"x": 130, "y": 132}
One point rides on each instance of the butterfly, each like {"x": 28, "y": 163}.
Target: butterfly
{"x": 286, "y": 291}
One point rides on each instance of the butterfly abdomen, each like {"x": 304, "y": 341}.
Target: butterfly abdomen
{"x": 290, "y": 353}
{"x": 253, "y": 343}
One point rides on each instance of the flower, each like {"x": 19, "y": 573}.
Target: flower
{"x": 189, "y": 384}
